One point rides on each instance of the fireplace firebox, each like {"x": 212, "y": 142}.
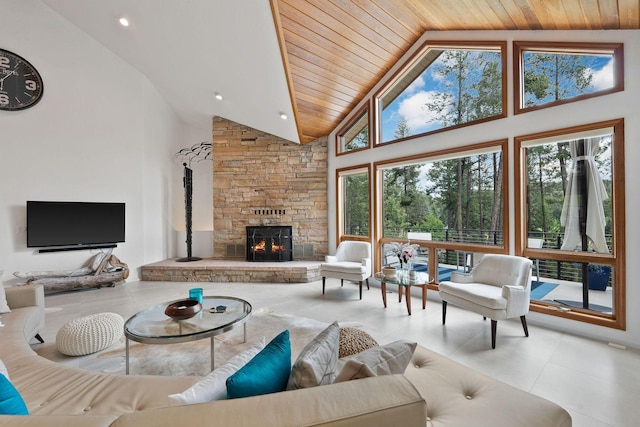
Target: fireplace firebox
{"x": 269, "y": 243}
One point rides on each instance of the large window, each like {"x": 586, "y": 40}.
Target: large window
{"x": 548, "y": 74}
{"x": 571, "y": 217}
{"x": 455, "y": 196}
{"x": 354, "y": 206}
{"x": 453, "y": 204}
{"x": 444, "y": 86}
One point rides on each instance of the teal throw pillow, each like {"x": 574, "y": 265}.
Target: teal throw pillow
{"x": 11, "y": 403}
{"x": 267, "y": 372}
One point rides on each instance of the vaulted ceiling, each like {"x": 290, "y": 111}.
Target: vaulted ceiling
{"x": 311, "y": 59}
{"x": 336, "y": 50}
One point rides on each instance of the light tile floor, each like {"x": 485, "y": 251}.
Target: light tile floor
{"x": 598, "y": 384}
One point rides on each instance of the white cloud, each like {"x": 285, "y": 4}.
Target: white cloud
{"x": 415, "y": 85}
{"x": 414, "y": 111}
{"x": 603, "y": 78}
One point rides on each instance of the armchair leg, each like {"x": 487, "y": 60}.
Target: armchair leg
{"x": 444, "y": 312}
{"x": 360, "y": 289}
{"x": 494, "y": 326}
{"x": 367, "y": 280}
{"x": 39, "y": 338}
{"x": 341, "y": 282}
{"x": 323, "y": 279}
{"x": 523, "y": 319}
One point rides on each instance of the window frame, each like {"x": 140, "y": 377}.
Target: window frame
{"x": 520, "y": 47}
{"x": 363, "y": 111}
{"x": 340, "y": 208}
{"x": 615, "y": 259}
{"x": 413, "y": 61}
{"x": 434, "y": 245}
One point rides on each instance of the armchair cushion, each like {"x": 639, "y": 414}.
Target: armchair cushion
{"x": 485, "y": 295}
{"x": 4, "y": 307}
{"x": 345, "y": 267}
{"x": 461, "y": 277}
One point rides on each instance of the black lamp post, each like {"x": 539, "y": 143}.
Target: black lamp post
{"x": 188, "y": 211}
{"x": 197, "y": 152}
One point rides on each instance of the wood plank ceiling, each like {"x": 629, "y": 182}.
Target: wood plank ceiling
{"x": 334, "y": 51}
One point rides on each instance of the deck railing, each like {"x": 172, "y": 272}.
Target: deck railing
{"x": 559, "y": 270}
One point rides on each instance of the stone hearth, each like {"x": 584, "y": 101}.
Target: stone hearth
{"x": 263, "y": 180}
{"x": 213, "y": 270}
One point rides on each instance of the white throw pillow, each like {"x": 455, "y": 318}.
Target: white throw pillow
{"x": 3, "y": 370}
{"x": 316, "y": 364}
{"x": 214, "y": 386}
{"x": 388, "y": 359}
{"x": 4, "y": 308}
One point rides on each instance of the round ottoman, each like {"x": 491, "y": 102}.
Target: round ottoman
{"x": 88, "y": 334}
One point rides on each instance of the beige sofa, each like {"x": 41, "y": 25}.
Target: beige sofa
{"x": 434, "y": 391}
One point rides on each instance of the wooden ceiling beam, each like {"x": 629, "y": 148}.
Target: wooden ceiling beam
{"x": 335, "y": 51}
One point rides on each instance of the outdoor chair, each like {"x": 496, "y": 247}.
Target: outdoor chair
{"x": 498, "y": 287}
{"x": 352, "y": 261}
{"x": 421, "y": 263}
{"x": 536, "y": 244}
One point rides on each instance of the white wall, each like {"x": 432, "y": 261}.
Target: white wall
{"x": 100, "y": 133}
{"x": 202, "y": 200}
{"x": 618, "y": 105}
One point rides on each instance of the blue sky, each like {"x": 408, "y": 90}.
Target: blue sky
{"x": 411, "y": 103}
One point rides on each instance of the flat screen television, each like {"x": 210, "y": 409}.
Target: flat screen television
{"x": 74, "y": 224}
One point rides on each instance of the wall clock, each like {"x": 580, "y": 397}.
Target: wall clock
{"x": 20, "y": 83}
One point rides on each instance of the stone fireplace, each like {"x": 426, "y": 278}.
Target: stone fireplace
{"x": 260, "y": 180}
{"x": 269, "y": 243}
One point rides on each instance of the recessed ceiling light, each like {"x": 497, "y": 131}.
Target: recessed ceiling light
{"x": 219, "y": 96}
{"x": 283, "y": 116}
{"x": 123, "y": 21}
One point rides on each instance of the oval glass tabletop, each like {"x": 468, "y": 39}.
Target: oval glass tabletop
{"x": 152, "y": 324}
{"x": 402, "y": 278}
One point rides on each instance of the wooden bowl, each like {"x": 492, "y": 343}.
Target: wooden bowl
{"x": 183, "y": 309}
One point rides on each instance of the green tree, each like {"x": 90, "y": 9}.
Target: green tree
{"x": 402, "y": 183}
{"x": 551, "y": 77}
{"x": 361, "y": 140}
{"x": 356, "y": 205}
{"x": 471, "y": 90}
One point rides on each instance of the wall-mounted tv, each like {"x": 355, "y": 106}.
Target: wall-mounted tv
{"x": 74, "y": 224}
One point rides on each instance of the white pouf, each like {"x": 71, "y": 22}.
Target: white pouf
{"x": 88, "y": 334}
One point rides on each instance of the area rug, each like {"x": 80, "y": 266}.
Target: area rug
{"x": 540, "y": 289}
{"x": 193, "y": 358}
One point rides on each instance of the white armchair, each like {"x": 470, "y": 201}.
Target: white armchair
{"x": 499, "y": 288}
{"x": 352, "y": 261}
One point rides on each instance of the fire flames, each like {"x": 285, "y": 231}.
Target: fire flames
{"x": 262, "y": 247}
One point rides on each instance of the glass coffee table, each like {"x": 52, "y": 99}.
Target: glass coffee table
{"x": 152, "y": 326}
{"x": 402, "y": 280}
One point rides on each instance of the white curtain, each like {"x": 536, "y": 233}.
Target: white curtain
{"x": 596, "y": 195}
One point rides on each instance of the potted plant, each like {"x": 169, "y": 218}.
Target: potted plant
{"x": 404, "y": 251}
{"x": 598, "y": 277}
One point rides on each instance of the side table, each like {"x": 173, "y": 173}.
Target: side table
{"x": 401, "y": 279}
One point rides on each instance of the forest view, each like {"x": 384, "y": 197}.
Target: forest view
{"x": 461, "y": 198}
